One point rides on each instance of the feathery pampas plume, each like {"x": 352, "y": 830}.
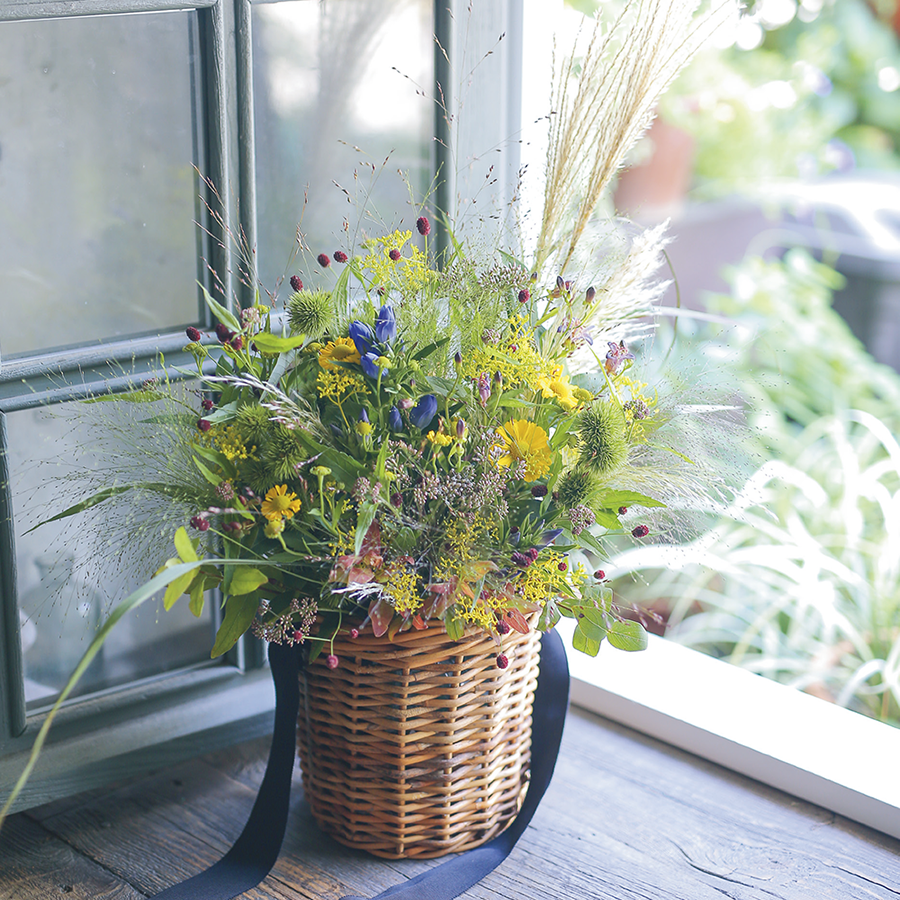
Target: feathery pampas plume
{"x": 602, "y": 110}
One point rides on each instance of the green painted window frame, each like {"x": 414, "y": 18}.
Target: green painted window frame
{"x": 122, "y": 732}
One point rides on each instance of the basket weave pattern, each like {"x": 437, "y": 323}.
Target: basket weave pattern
{"x": 419, "y": 746}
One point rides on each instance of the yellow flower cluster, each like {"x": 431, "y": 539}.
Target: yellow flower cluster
{"x": 514, "y": 357}
{"x": 439, "y": 438}
{"x": 337, "y": 384}
{"x": 228, "y": 441}
{"x": 480, "y": 611}
{"x": 409, "y": 272}
{"x": 402, "y": 590}
{"x": 544, "y": 580}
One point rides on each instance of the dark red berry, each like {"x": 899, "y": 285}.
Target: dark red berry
{"x": 331, "y": 661}
{"x": 199, "y": 523}
{"x": 502, "y": 661}
{"x": 599, "y": 574}
{"x": 223, "y": 333}
{"x": 324, "y": 260}
{"x": 207, "y": 404}
{"x": 296, "y": 283}
{"x": 354, "y": 633}
{"x": 533, "y": 553}
{"x": 204, "y": 424}
{"x": 423, "y": 225}
{"x": 503, "y": 626}
{"x": 193, "y": 333}
{"x": 640, "y": 531}
{"x": 340, "y": 256}
{"x": 524, "y": 295}
{"x": 394, "y": 254}
{"x": 623, "y": 510}
{"x": 563, "y": 566}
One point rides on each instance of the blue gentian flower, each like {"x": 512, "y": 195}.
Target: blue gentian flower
{"x": 548, "y": 537}
{"x": 424, "y": 411}
{"x": 363, "y": 337}
{"x": 367, "y": 362}
{"x": 386, "y": 325}
{"x": 395, "y": 422}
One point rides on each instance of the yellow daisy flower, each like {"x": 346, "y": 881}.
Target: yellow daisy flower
{"x": 342, "y": 350}
{"x": 557, "y": 385}
{"x": 279, "y": 503}
{"x": 523, "y": 440}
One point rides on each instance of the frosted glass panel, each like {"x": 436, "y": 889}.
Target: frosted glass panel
{"x": 71, "y": 573}
{"x": 338, "y": 85}
{"x": 97, "y": 186}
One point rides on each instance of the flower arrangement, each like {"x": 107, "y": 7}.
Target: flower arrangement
{"x": 411, "y": 447}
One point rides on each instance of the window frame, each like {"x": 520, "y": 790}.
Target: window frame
{"x": 134, "y": 728}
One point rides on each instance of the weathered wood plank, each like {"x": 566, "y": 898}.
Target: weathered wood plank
{"x": 36, "y": 865}
{"x": 626, "y": 817}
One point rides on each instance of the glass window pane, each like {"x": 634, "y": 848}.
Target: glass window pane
{"x": 71, "y": 573}
{"x": 337, "y": 84}
{"x": 97, "y": 186}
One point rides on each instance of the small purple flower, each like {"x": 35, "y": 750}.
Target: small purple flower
{"x": 363, "y": 337}
{"x": 296, "y": 283}
{"x": 538, "y": 491}
{"x": 385, "y": 325}
{"x": 363, "y": 415}
{"x": 617, "y": 356}
{"x": 340, "y": 256}
{"x": 324, "y": 260}
{"x": 524, "y": 295}
{"x": 640, "y": 531}
{"x": 395, "y": 422}
{"x": 193, "y": 333}
{"x": 502, "y": 661}
{"x": 204, "y": 424}
{"x": 394, "y": 254}
{"x": 484, "y": 389}
{"x": 424, "y": 411}
{"x": 522, "y": 560}
{"x": 224, "y": 333}
{"x": 423, "y": 225}
{"x": 548, "y": 537}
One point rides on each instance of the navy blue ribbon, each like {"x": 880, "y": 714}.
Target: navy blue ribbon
{"x": 255, "y": 851}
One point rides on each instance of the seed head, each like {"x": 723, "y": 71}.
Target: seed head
{"x": 296, "y": 283}
{"x": 223, "y": 333}
{"x": 599, "y": 574}
{"x": 502, "y": 661}
{"x": 340, "y": 256}
{"x": 503, "y": 627}
{"x": 324, "y": 260}
{"x": 575, "y": 486}
{"x": 310, "y": 313}
{"x": 204, "y": 424}
{"x": 524, "y": 295}
{"x": 192, "y": 333}
{"x": 394, "y": 254}
{"x": 623, "y": 510}
{"x": 640, "y": 531}
{"x": 423, "y": 225}
{"x": 604, "y": 447}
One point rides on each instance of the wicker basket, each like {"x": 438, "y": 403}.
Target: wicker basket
{"x": 419, "y": 746}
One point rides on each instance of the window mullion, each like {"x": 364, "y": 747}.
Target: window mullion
{"x": 12, "y": 692}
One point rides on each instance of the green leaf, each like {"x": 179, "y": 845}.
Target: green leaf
{"x": 178, "y": 587}
{"x": 272, "y": 343}
{"x": 224, "y": 413}
{"x": 431, "y": 348}
{"x": 587, "y": 638}
{"x": 209, "y": 475}
{"x": 198, "y": 595}
{"x": 628, "y": 636}
{"x": 365, "y": 517}
{"x": 344, "y": 468}
{"x": 549, "y": 616}
{"x": 455, "y": 627}
{"x": 239, "y": 615}
{"x": 615, "y": 499}
{"x": 225, "y": 316}
{"x": 245, "y": 580}
{"x": 186, "y": 548}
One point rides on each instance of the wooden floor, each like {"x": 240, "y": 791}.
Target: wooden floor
{"x": 626, "y": 818}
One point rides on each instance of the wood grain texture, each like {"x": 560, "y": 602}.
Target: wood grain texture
{"x": 626, "y": 818}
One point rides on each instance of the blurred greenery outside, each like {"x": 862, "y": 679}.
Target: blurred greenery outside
{"x": 797, "y": 579}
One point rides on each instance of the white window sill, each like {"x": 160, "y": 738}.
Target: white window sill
{"x": 806, "y": 747}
